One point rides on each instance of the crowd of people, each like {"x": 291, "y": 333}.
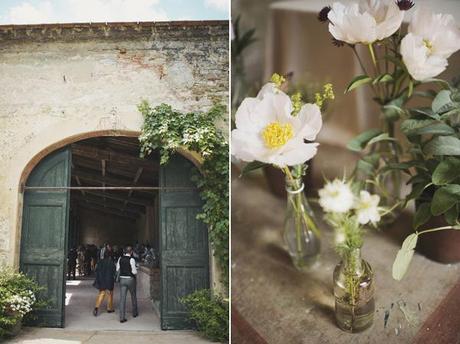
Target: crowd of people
{"x": 82, "y": 261}
{"x": 111, "y": 264}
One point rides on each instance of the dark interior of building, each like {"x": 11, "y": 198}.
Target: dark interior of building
{"x": 118, "y": 217}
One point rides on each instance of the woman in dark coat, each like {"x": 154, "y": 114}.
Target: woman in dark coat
{"x": 105, "y": 279}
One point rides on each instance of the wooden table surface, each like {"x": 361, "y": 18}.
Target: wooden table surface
{"x": 274, "y": 303}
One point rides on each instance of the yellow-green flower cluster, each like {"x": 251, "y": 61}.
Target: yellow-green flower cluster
{"x": 296, "y": 99}
{"x": 278, "y": 80}
{"x": 328, "y": 94}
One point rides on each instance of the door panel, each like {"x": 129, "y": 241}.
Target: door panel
{"x": 183, "y": 242}
{"x": 44, "y": 234}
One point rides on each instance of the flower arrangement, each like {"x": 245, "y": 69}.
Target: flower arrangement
{"x": 348, "y": 209}
{"x": 19, "y": 297}
{"x": 279, "y": 130}
{"x": 400, "y": 62}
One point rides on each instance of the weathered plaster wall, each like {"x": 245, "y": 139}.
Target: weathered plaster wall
{"x": 64, "y": 81}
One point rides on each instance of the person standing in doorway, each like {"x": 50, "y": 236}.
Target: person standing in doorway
{"x": 105, "y": 280}
{"x": 71, "y": 263}
{"x": 126, "y": 267}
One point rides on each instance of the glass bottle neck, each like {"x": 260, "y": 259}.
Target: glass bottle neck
{"x": 352, "y": 262}
{"x": 294, "y": 186}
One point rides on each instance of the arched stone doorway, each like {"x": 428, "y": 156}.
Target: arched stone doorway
{"x": 183, "y": 245}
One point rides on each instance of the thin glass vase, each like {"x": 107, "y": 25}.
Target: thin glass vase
{"x": 354, "y": 293}
{"x": 300, "y": 231}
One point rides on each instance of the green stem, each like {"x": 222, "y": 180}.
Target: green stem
{"x": 371, "y": 50}
{"x": 376, "y": 70}
{"x": 364, "y": 69}
{"x": 437, "y": 229}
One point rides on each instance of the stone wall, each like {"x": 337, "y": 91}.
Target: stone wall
{"x": 61, "y": 83}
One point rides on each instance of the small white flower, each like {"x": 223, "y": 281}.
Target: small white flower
{"x": 339, "y": 237}
{"x": 366, "y": 22}
{"x": 431, "y": 40}
{"x": 367, "y": 208}
{"x": 267, "y": 132}
{"x": 336, "y": 197}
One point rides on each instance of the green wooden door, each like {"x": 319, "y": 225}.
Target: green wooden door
{"x": 183, "y": 243}
{"x": 44, "y": 234}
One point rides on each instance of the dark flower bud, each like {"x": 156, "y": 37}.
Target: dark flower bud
{"x": 338, "y": 43}
{"x": 322, "y": 16}
{"x": 405, "y": 5}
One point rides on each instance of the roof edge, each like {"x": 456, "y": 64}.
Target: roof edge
{"x": 114, "y": 24}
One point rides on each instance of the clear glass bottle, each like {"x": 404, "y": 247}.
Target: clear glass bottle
{"x": 354, "y": 293}
{"x": 300, "y": 231}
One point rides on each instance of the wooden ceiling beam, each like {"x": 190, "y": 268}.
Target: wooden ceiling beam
{"x": 108, "y": 206}
{"x": 109, "y": 203}
{"x": 88, "y": 175}
{"x": 111, "y": 156}
{"x": 136, "y": 179}
{"x": 133, "y": 200}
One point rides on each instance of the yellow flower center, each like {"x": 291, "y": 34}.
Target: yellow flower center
{"x": 428, "y": 44}
{"x": 276, "y": 135}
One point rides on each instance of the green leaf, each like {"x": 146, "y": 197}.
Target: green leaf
{"x": 424, "y": 112}
{"x": 381, "y": 137}
{"x": 451, "y": 216}
{"x": 392, "y": 112}
{"x": 364, "y": 167}
{"x": 395, "y": 61}
{"x": 445, "y": 198}
{"x": 404, "y": 166}
{"x": 443, "y": 83}
{"x": 426, "y": 94}
{"x": 437, "y": 128}
{"x": 417, "y": 190}
{"x": 422, "y": 215}
{"x": 404, "y": 257}
{"x": 357, "y": 82}
{"x": 419, "y": 178}
{"x": 442, "y": 145}
{"x": 382, "y": 78}
{"x": 442, "y": 102}
{"x": 358, "y": 143}
{"x": 409, "y": 126}
{"x": 254, "y": 165}
{"x": 446, "y": 171}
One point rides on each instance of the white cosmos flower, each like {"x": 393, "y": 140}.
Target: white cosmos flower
{"x": 267, "y": 132}
{"x": 336, "y": 197}
{"x": 364, "y": 22}
{"x": 367, "y": 208}
{"x": 431, "y": 39}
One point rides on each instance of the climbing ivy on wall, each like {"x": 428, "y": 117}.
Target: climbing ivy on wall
{"x": 166, "y": 130}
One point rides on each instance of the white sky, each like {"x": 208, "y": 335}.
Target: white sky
{"x": 68, "y": 11}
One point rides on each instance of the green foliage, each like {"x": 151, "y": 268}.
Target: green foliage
{"x": 166, "y": 130}
{"x": 15, "y": 284}
{"x": 210, "y": 314}
{"x": 433, "y": 133}
{"x": 348, "y": 225}
{"x": 358, "y": 143}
